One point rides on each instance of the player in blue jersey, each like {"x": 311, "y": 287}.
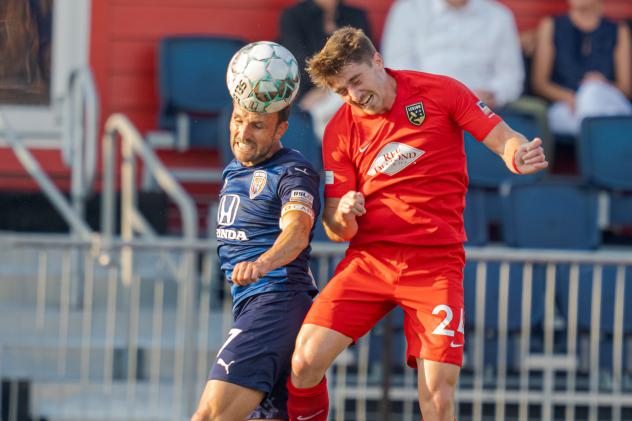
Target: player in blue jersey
{"x": 266, "y": 213}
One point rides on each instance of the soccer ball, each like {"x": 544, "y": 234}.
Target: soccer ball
{"x": 263, "y": 77}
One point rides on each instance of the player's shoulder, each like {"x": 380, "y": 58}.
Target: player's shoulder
{"x": 294, "y": 163}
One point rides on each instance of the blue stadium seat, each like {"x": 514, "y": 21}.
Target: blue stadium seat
{"x": 555, "y": 214}
{"x": 474, "y": 218}
{"x": 608, "y": 294}
{"x": 487, "y": 171}
{"x": 192, "y": 89}
{"x": 605, "y": 152}
{"x": 491, "y": 307}
{"x": 484, "y": 167}
{"x": 607, "y": 309}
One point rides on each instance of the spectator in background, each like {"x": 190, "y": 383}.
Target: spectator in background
{"x": 473, "y": 41}
{"x": 582, "y": 63}
{"x": 304, "y": 30}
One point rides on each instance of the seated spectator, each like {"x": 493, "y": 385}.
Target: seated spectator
{"x": 304, "y": 30}
{"x": 473, "y": 41}
{"x": 582, "y": 64}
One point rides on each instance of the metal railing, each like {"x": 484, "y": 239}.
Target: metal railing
{"x": 122, "y": 351}
{"x": 79, "y": 135}
{"x": 74, "y": 220}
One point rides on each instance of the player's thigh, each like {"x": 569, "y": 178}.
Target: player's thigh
{"x": 435, "y": 376}
{"x": 318, "y": 346}
{"x": 227, "y": 401}
{"x": 360, "y": 293}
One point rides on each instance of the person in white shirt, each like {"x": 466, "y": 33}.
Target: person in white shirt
{"x": 473, "y": 41}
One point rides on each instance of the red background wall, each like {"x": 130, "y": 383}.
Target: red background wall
{"x": 125, "y": 34}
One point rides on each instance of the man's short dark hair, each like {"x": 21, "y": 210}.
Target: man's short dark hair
{"x": 346, "y": 45}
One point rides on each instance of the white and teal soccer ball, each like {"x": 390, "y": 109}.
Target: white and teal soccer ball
{"x": 263, "y": 77}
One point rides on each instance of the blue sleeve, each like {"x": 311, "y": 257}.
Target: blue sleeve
{"x": 300, "y": 184}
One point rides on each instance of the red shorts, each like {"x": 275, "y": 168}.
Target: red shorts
{"x": 426, "y": 282}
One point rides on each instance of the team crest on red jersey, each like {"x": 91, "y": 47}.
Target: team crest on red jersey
{"x": 416, "y": 113}
{"x": 259, "y": 179}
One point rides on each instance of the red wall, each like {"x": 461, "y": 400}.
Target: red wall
{"x": 125, "y": 34}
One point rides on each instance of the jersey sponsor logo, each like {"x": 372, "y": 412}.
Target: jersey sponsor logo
{"x": 301, "y": 196}
{"x": 227, "y": 210}
{"x": 485, "y": 109}
{"x": 416, "y": 113}
{"x": 393, "y": 158}
{"x": 303, "y": 170}
{"x": 329, "y": 177}
{"x": 228, "y": 234}
{"x": 259, "y": 179}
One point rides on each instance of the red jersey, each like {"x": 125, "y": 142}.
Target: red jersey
{"x": 409, "y": 163}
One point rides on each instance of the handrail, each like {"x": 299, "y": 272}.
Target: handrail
{"x": 133, "y": 145}
{"x": 76, "y": 223}
{"x": 80, "y": 108}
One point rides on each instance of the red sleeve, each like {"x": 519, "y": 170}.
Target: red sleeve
{"x": 340, "y": 175}
{"x": 470, "y": 113}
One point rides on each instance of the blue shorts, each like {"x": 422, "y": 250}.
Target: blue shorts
{"x": 259, "y": 347}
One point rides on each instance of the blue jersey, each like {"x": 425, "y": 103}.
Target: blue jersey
{"x": 249, "y": 213}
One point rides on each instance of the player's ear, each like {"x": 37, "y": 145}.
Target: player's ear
{"x": 377, "y": 60}
{"x": 281, "y": 129}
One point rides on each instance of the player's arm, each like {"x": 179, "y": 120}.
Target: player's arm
{"x": 296, "y": 223}
{"x": 520, "y": 155}
{"x": 339, "y": 216}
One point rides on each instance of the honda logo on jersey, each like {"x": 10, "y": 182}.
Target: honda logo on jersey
{"x": 227, "y": 210}
{"x": 393, "y": 158}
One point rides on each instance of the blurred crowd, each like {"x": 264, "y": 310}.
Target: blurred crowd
{"x": 574, "y": 65}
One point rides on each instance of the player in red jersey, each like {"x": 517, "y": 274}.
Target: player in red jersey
{"x": 395, "y": 184}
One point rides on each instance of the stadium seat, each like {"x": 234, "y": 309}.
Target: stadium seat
{"x": 474, "y": 218}
{"x": 607, "y": 300}
{"x": 486, "y": 171}
{"x": 491, "y": 307}
{"x": 555, "y": 214}
{"x": 605, "y": 152}
{"x": 192, "y": 90}
{"x": 485, "y": 168}
{"x": 604, "y": 155}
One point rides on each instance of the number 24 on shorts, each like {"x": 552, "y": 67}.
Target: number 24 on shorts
{"x": 441, "y": 329}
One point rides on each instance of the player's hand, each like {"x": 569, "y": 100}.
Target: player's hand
{"x": 246, "y": 273}
{"x": 529, "y": 158}
{"x": 351, "y": 204}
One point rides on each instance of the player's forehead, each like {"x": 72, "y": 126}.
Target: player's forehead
{"x": 348, "y": 74}
{"x": 252, "y": 117}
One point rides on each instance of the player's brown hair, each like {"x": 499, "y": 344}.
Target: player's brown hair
{"x": 346, "y": 45}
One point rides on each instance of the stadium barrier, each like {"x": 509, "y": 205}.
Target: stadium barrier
{"x": 548, "y": 333}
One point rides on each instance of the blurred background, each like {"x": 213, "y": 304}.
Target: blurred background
{"x": 113, "y": 136}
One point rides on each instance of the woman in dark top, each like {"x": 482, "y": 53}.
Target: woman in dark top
{"x": 582, "y": 64}
{"x": 304, "y": 30}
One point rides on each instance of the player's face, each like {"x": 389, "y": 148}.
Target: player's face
{"x": 255, "y": 137}
{"x": 365, "y": 86}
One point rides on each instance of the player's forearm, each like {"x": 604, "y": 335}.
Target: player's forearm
{"x": 290, "y": 243}
{"x": 340, "y": 228}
